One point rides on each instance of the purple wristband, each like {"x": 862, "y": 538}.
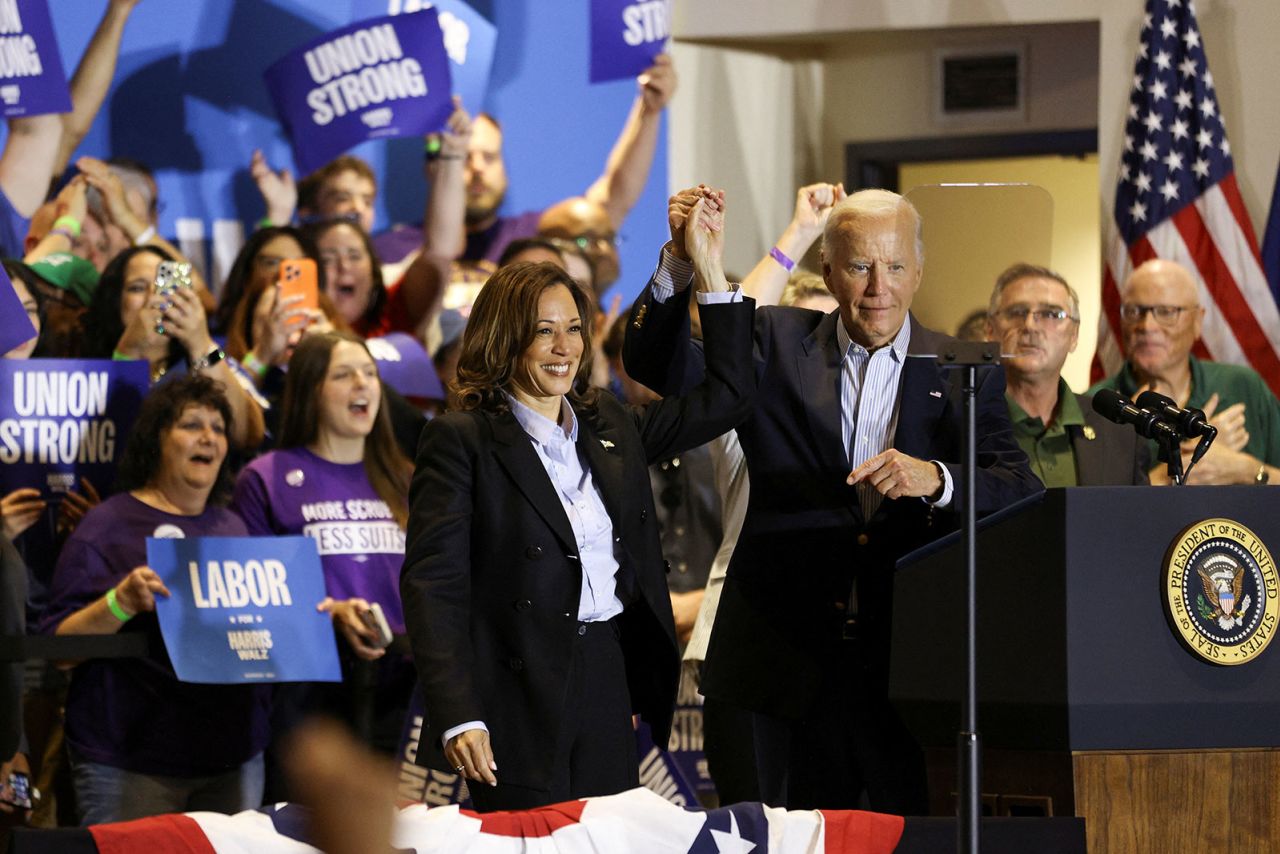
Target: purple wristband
{"x": 776, "y": 254}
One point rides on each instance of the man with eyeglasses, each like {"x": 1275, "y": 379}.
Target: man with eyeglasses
{"x": 1160, "y": 318}
{"x": 1035, "y": 315}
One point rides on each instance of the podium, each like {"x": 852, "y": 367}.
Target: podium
{"x": 1089, "y": 703}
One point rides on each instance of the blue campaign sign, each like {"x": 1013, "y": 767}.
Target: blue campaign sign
{"x": 31, "y": 77}
{"x": 243, "y": 609}
{"x": 376, "y": 79}
{"x": 63, "y": 419}
{"x": 469, "y": 39}
{"x": 16, "y": 327}
{"x": 626, "y": 36}
{"x": 404, "y": 365}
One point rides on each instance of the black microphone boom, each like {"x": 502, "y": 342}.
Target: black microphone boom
{"x": 1189, "y": 422}
{"x": 1114, "y": 406}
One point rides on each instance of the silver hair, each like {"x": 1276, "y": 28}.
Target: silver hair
{"x": 874, "y": 204}
{"x": 1031, "y": 271}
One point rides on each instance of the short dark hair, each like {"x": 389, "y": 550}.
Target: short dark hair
{"x": 502, "y": 325}
{"x": 309, "y": 187}
{"x": 161, "y": 409}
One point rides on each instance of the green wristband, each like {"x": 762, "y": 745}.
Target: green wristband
{"x": 117, "y": 356}
{"x": 253, "y": 364}
{"x": 70, "y": 223}
{"x": 114, "y": 607}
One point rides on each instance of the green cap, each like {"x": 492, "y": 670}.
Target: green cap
{"x": 69, "y": 272}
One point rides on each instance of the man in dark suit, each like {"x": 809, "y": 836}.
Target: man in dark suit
{"x": 853, "y": 447}
{"x": 1035, "y": 314}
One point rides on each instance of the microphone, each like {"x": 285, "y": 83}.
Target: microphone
{"x": 1114, "y": 406}
{"x": 1189, "y": 422}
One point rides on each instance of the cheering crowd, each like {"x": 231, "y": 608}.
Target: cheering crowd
{"x": 592, "y": 497}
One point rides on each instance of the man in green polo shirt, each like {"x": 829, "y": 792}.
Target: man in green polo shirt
{"x": 1035, "y": 315}
{"x": 1160, "y": 319}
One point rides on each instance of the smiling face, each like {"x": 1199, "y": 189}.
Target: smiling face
{"x": 1157, "y": 349}
{"x": 872, "y": 268}
{"x": 549, "y": 365}
{"x": 1041, "y": 346}
{"x": 350, "y": 394}
{"x": 348, "y": 271}
{"x": 192, "y": 450}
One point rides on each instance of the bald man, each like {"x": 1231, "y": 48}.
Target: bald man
{"x": 1160, "y": 320}
{"x": 585, "y": 223}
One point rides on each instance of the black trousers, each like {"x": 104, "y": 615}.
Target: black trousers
{"x": 596, "y": 745}
{"x": 727, "y": 738}
{"x": 852, "y": 751}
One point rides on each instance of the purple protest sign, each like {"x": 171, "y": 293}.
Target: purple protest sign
{"x": 626, "y": 36}
{"x": 469, "y": 39}
{"x": 31, "y": 77}
{"x": 405, "y": 366}
{"x": 375, "y": 79}
{"x": 16, "y": 327}
{"x": 63, "y": 419}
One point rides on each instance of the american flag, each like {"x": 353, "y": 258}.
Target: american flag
{"x": 633, "y": 822}
{"x": 1177, "y": 198}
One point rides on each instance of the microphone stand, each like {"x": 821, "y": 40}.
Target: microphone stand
{"x": 970, "y": 356}
{"x": 1171, "y": 444}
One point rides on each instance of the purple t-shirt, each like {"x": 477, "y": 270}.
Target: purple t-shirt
{"x": 400, "y": 241}
{"x": 293, "y": 491}
{"x": 133, "y": 713}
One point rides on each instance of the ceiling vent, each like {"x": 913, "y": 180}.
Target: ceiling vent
{"x": 980, "y": 84}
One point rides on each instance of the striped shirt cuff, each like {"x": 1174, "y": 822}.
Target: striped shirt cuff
{"x": 673, "y": 276}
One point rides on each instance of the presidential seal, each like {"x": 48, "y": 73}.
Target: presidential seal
{"x": 1220, "y": 592}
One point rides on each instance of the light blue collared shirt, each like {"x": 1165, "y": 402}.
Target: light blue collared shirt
{"x": 557, "y": 448}
{"x": 869, "y": 403}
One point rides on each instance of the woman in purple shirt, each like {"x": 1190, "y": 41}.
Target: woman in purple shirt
{"x": 339, "y": 477}
{"x": 141, "y": 742}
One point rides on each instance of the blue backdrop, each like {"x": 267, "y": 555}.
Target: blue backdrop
{"x": 188, "y": 99}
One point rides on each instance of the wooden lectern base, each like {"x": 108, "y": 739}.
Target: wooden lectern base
{"x": 1225, "y": 800}
{"x": 1132, "y": 802}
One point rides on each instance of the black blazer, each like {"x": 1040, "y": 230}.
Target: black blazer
{"x": 491, "y": 577}
{"x": 778, "y": 627}
{"x": 1115, "y": 455}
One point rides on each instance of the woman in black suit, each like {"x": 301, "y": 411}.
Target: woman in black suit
{"x": 533, "y": 580}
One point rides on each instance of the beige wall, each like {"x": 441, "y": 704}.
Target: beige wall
{"x": 859, "y": 71}
{"x": 1057, "y": 211}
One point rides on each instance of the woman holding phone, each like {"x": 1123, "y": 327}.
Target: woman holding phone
{"x": 533, "y": 582}
{"x": 131, "y": 319}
